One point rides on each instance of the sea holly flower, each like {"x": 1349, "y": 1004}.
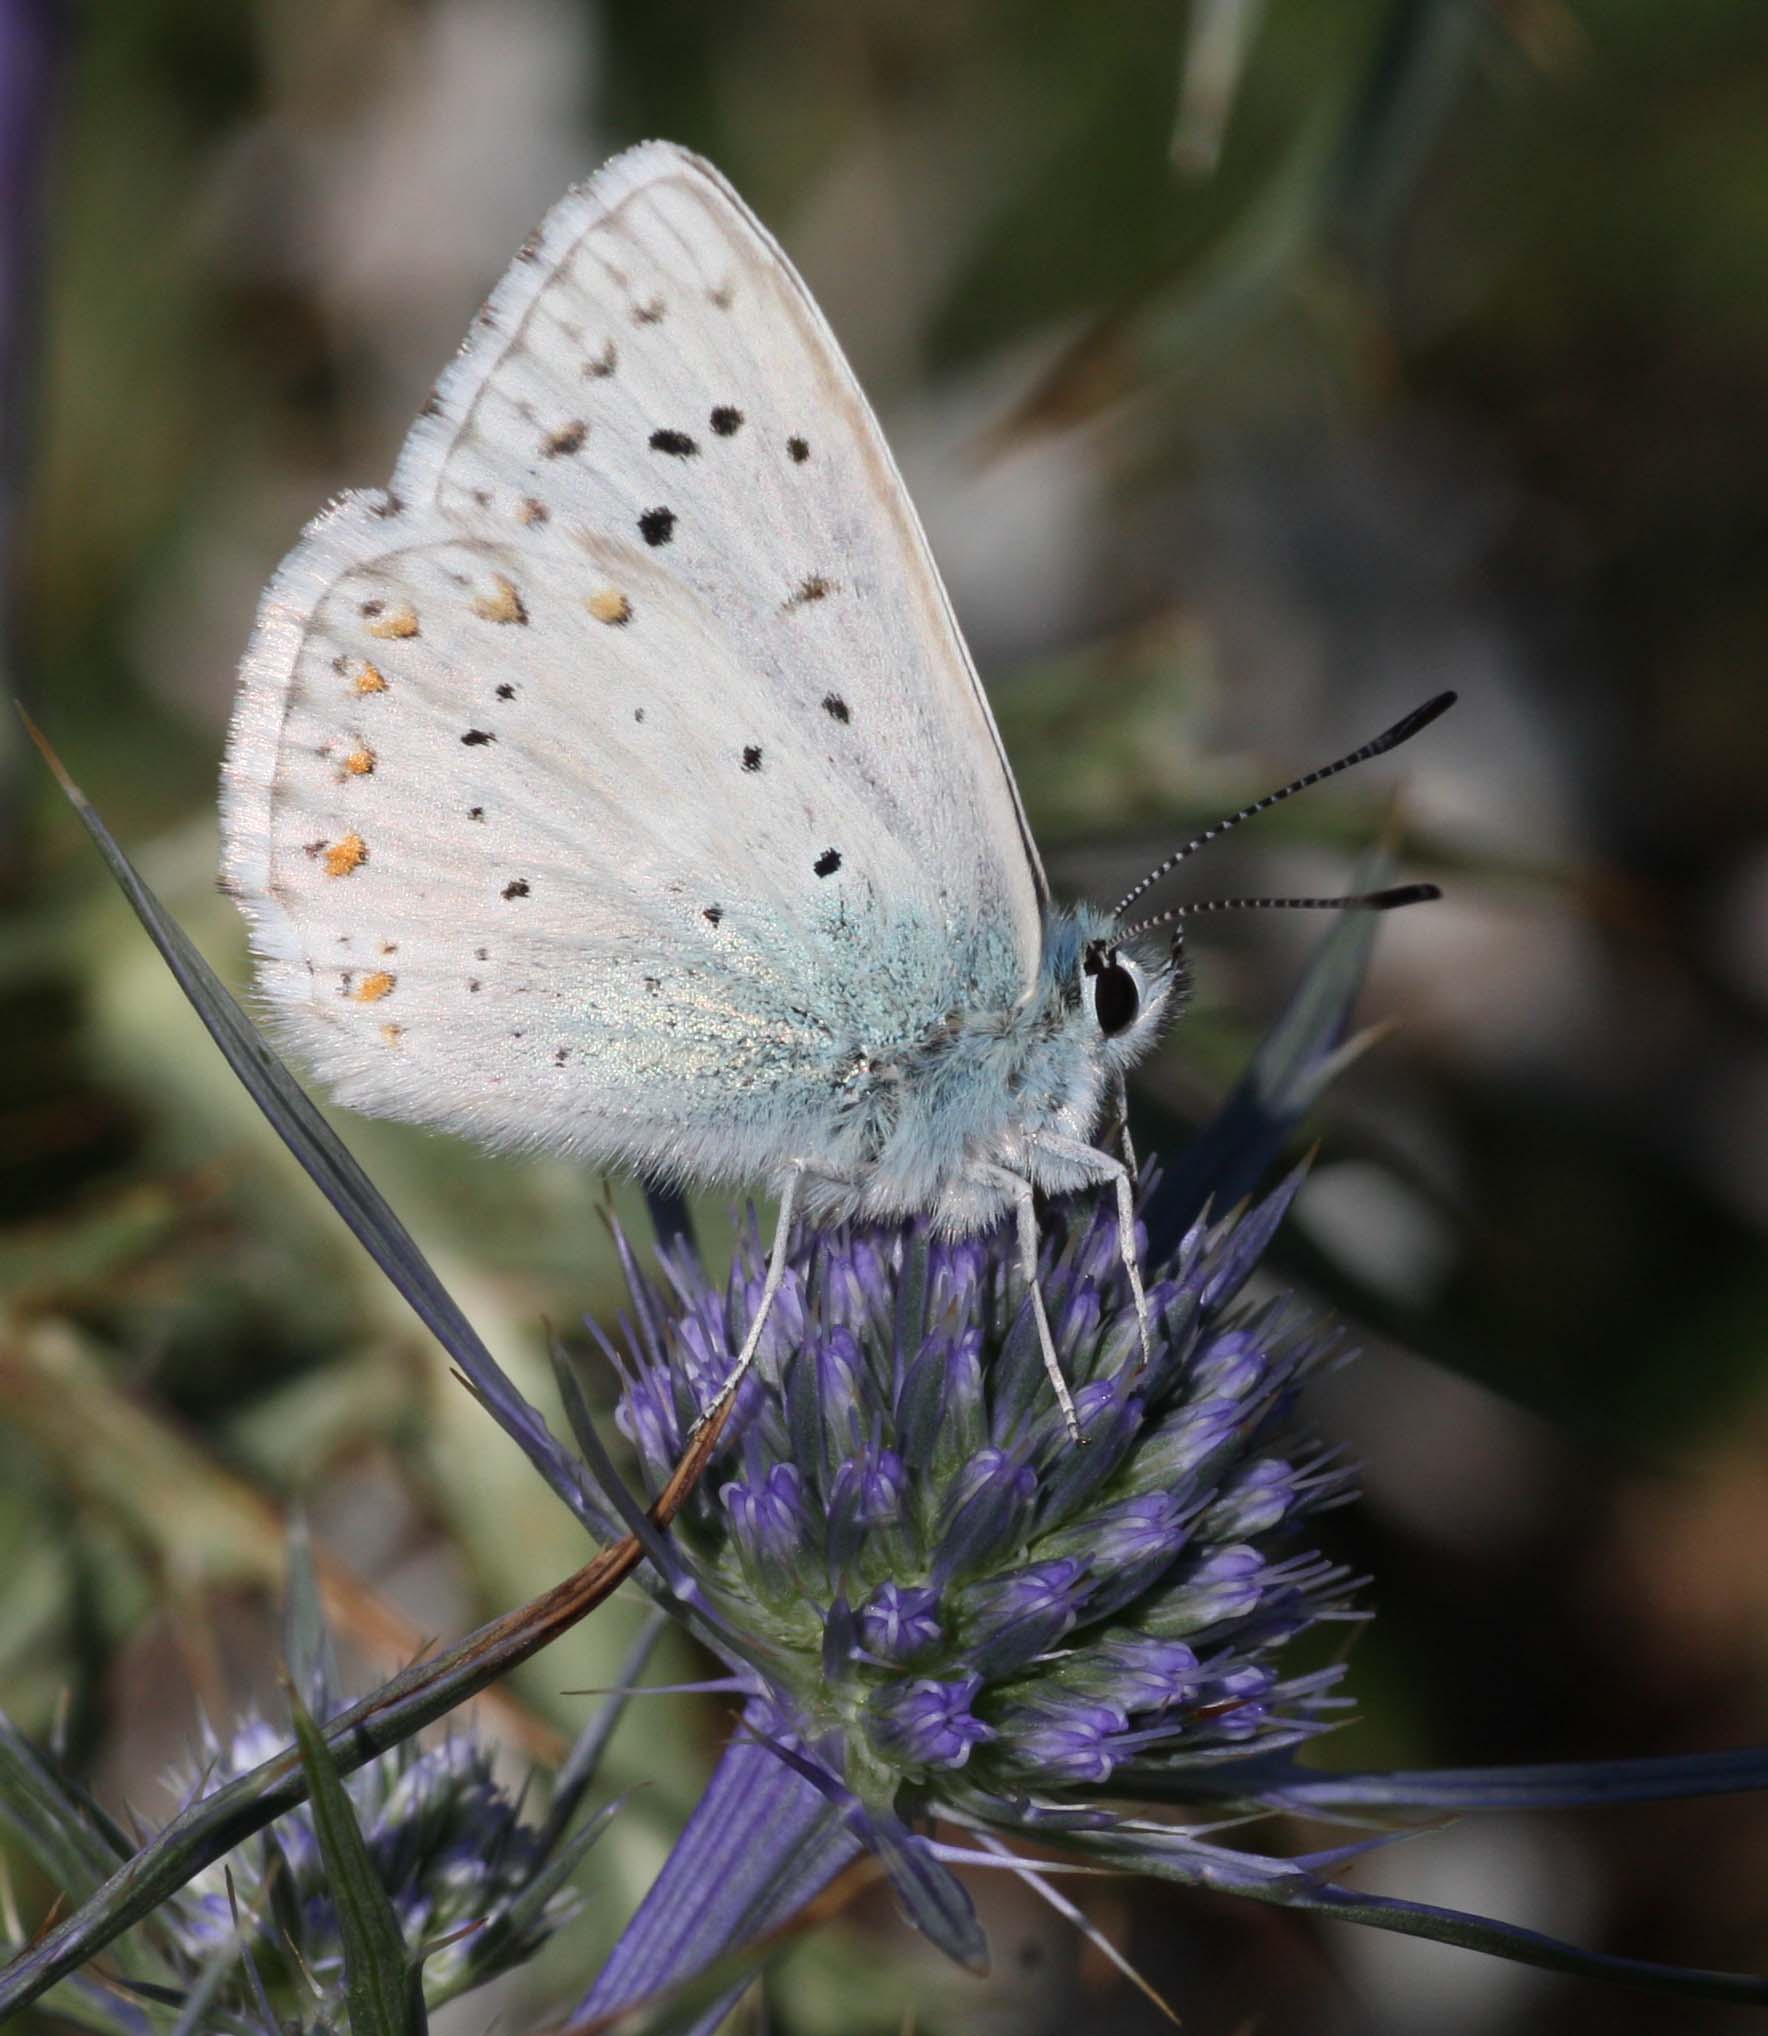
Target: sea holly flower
{"x": 448, "y": 1844}
{"x": 261, "y": 1940}
{"x": 935, "y": 1601}
{"x": 942, "y": 1612}
{"x": 917, "y": 1572}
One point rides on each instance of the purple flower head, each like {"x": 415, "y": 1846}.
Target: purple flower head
{"x": 1082, "y": 1315}
{"x": 879, "y": 1485}
{"x": 769, "y": 1519}
{"x": 1238, "y": 1698}
{"x": 869, "y": 1493}
{"x": 986, "y": 1512}
{"x": 1013, "y": 1619}
{"x": 1255, "y": 1500}
{"x": 1199, "y": 1435}
{"x": 1231, "y": 1366}
{"x": 1222, "y": 1585}
{"x": 1066, "y": 1742}
{"x": 900, "y": 1622}
{"x": 956, "y": 1269}
{"x": 838, "y": 1362}
{"x": 701, "y": 1345}
{"x": 915, "y": 1572}
{"x": 1149, "y": 1675}
{"x": 1140, "y": 1534}
{"x": 930, "y": 1724}
{"x": 646, "y": 1417}
{"x": 445, "y": 1839}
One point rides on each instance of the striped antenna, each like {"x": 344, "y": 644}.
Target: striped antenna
{"x": 1401, "y": 731}
{"x": 1361, "y": 901}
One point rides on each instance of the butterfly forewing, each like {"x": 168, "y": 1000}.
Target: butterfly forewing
{"x": 621, "y": 775}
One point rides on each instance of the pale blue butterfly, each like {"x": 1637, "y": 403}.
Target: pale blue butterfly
{"x": 618, "y": 784}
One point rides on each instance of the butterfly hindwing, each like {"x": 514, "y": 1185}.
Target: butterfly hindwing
{"x": 621, "y": 771}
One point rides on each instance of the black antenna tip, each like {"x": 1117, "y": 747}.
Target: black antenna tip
{"x": 1401, "y": 894}
{"x": 1420, "y": 717}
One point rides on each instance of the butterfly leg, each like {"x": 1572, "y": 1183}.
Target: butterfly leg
{"x": 1125, "y": 1144}
{"x": 1122, "y": 1178}
{"x": 770, "y": 1286}
{"x": 1025, "y": 1209}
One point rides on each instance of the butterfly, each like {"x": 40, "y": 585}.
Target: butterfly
{"x": 616, "y": 783}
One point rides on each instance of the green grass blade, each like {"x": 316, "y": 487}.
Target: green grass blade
{"x": 52, "y": 1818}
{"x": 382, "y": 1991}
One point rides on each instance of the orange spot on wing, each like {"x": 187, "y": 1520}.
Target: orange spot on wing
{"x": 369, "y": 680}
{"x": 359, "y": 763}
{"x": 346, "y": 855}
{"x": 395, "y": 623}
{"x": 373, "y": 988}
{"x": 505, "y": 605}
{"x": 610, "y": 607}
{"x": 391, "y": 1033}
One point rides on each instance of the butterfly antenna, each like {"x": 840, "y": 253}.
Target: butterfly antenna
{"x": 1401, "y": 731}
{"x": 1361, "y": 901}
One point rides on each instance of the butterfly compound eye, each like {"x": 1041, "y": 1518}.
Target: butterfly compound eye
{"x": 1116, "y": 999}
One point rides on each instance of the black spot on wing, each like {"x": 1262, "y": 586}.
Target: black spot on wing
{"x": 712, "y": 914}
{"x": 828, "y": 862}
{"x": 837, "y": 708}
{"x": 506, "y": 692}
{"x": 677, "y": 444}
{"x": 799, "y": 450}
{"x": 657, "y": 526}
{"x": 752, "y": 757}
{"x": 517, "y": 887}
{"x": 476, "y": 738}
{"x": 726, "y": 420}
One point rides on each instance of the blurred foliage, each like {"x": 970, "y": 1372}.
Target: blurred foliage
{"x": 1258, "y": 370}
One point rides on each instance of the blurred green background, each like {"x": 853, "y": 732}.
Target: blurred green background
{"x": 1258, "y": 371}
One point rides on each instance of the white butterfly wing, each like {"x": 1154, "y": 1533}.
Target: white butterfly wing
{"x": 619, "y": 781}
